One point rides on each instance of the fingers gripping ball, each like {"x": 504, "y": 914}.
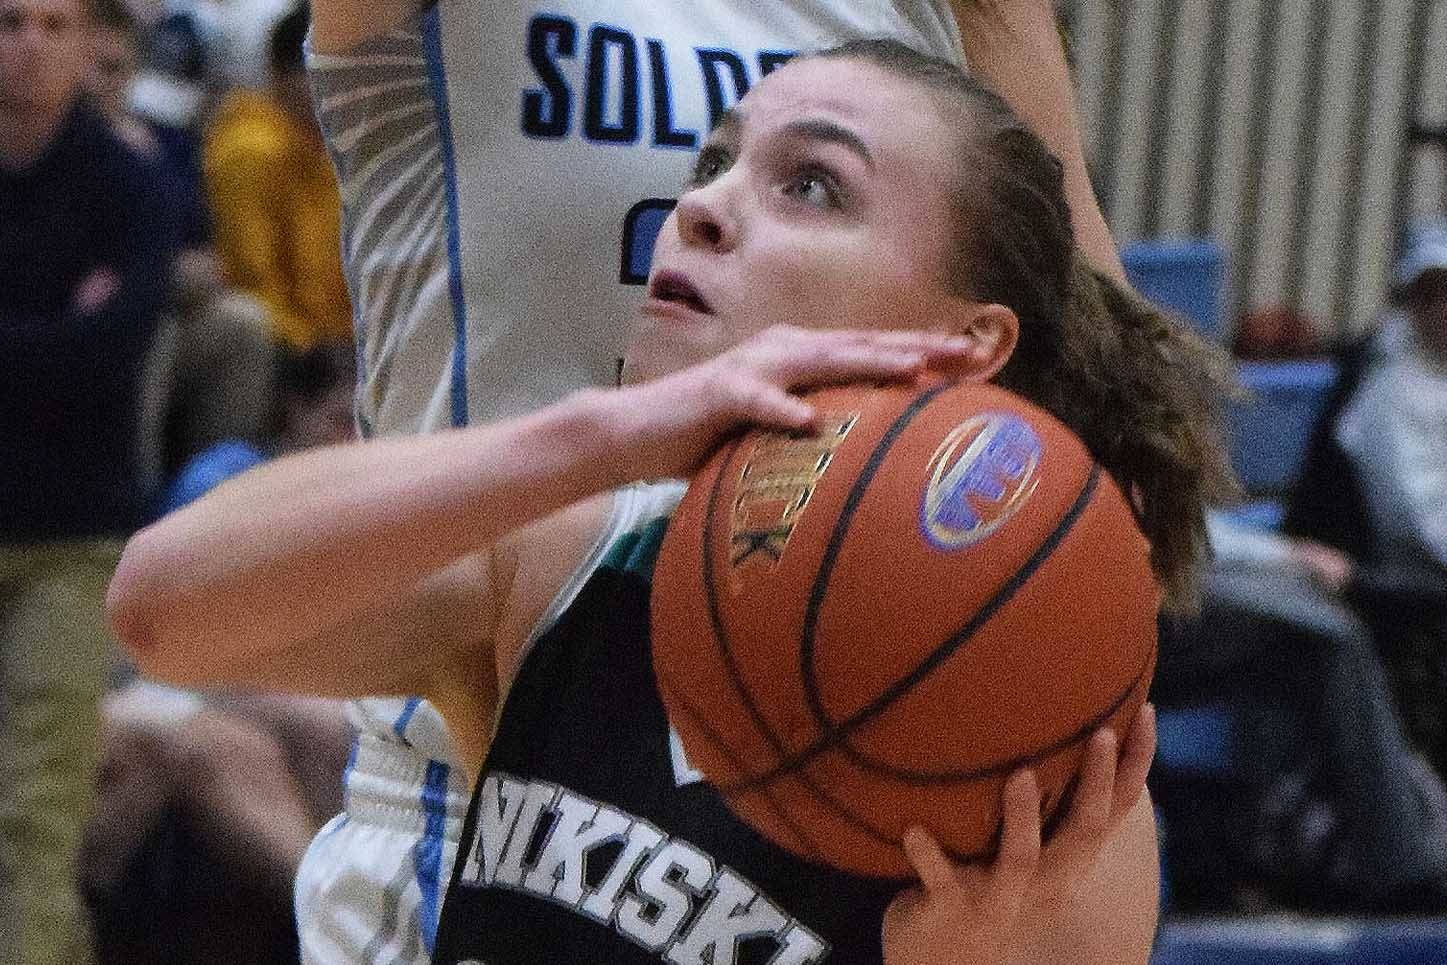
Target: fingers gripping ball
{"x": 871, "y": 628}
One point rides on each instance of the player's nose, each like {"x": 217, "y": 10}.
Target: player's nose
{"x": 707, "y": 215}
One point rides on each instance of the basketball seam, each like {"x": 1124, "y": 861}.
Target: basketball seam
{"x": 736, "y": 679}
{"x": 822, "y": 796}
{"x": 809, "y": 844}
{"x": 720, "y": 634}
{"x": 836, "y": 733}
{"x": 869, "y": 765}
{"x": 835, "y": 545}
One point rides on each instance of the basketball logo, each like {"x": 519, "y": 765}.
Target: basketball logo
{"x": 980, "y": 476}
{"x": 775, "y": 485}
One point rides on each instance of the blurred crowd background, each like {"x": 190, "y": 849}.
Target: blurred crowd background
{"x": 1276, "y": 172}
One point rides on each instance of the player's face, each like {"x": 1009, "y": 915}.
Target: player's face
{"x": 43, "y": 52}
{"x": 822, "y": 200}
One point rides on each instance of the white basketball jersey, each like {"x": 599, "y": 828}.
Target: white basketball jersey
{"x": 505, "y": 167}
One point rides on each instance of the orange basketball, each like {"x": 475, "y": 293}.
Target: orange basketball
{"x": 871, "y": 628}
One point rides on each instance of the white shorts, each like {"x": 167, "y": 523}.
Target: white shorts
{"x": 370, "y": 887}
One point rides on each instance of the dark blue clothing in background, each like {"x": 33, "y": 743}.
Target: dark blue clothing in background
{"x": 70, "y": 382}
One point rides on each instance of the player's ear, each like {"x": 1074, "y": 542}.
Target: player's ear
{"x": 992, "y": 331}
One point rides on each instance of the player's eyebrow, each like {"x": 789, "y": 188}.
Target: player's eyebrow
{"x": 819, "y": 129}
{"x": 731, "y": 122}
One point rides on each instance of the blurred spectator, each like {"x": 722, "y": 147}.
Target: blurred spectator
{"x": 206, "y": 806}
{"x": 214, "y": 358}
{"x": 1374, "y": 483}
{"x": 221, "y": 359}
{"x": 115, "y": 58}
{"x": 243, "y": 29}
{"x": 1339, "y": 813}
{"x": 313, "y": 407}
{"x": 87, "y": 238}
{"x": 115, "y": 55}
{"x": 207, "y": 802}
{"x": 275, "y": 201}
{"x": 1394, "y": 429}
{"x": 171, "y": 91}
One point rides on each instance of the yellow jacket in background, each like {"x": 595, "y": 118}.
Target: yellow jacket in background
{"x": 278, "y": 217}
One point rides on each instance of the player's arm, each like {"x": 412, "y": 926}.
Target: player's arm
{"x": 320, "y": 571}
{"x": 1015, "y": 47}
{"x": 290, "y": 567}
{"x": 340, "y": 25}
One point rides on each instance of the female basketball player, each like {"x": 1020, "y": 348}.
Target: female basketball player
{"x": 505, "y": 165}
{"x": 867, "y": 188}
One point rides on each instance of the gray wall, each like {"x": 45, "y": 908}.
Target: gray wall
{"x": 1277, "y": 127}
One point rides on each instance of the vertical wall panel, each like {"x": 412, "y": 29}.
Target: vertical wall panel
{"x": 1215, "y": 45}
{"x": 1233, "y": 151}
{"x": 1276, "y": 127}
{"x": 1155, "y": 127}
{"x": 1187, "y": 113}
{"x": 1388, "y": 117}
{"x": 1280, "y": 166}
{"x": 1430, "y": 173}
{"x": 1330, "y": 177}
{"x": 1138, "y": 70}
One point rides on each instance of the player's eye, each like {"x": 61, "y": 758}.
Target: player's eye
{"x": 712, "y": 162}
{"x": 814, "y": 186}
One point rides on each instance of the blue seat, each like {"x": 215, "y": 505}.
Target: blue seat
{"x": 1184, "y": 276}
{"x": 1195, "y": 741}
{"x": 1264, "y": 514}
{"x": 1269, "y": 430}
{"x": 1253, "y": 942}
{"x": 1286, "y": 942}
{"x": 1402, "y": 943}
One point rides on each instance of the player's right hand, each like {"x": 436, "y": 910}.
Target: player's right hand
{"x": 674, "y": 423}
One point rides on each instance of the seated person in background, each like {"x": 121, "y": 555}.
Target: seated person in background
{"x": 275, "y": 202}
{"x": 174, "y": 87}
{"x": 205, "y": 806}
{"x": 1342, "y": 814}
{"x": 312, "y": 407}
{"x": 207, "y": 802}
{"x": 115, "y": 47}
{"x": 1374, "y": 484}
{"x": 1394, "y": 429}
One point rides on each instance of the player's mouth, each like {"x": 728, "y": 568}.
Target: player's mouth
{"x": 674, "y": 290}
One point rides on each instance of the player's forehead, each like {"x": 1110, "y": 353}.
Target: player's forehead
{"x": 834, "y": 97}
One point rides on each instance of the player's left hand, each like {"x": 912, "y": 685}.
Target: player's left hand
{"x": 970, "y": 914}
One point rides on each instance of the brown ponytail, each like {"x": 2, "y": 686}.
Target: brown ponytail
{"x": 1142, "y": 391}
{"x": 1146, "y": 394}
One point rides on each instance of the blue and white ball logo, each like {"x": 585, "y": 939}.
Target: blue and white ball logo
{"x": 980, "y": 476}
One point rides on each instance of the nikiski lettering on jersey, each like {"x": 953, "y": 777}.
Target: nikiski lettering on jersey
{"x": 660, "y": 892}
